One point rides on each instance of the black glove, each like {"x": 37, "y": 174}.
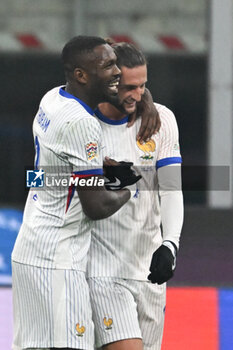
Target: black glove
{"x": 120, "y": 176}
{"x": 162, "y": 265}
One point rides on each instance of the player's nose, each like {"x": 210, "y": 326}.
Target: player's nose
{"x": 116, "y": 70}
{"x": 137, "y": 94}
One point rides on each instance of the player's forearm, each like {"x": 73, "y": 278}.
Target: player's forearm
{"x": 172, "y": 208}
{"x": 102, "y": 204}
{"x": 172, "y": 214}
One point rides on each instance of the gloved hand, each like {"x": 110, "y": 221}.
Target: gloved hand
{"x": 163, "y": 263}
{"x": 119, "y": 175}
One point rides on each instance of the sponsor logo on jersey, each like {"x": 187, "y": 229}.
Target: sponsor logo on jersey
{"x": 115, "y": 184}
{"x": 147, "y": 148}
{"x": 35, "y": 178}
{"x": 108, "y": 323}
{"x": 80, "y": 330}
{"x": 91, "y": 150}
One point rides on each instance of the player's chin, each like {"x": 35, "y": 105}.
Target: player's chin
{"x": 129, "y": 109}
{"x": 110, "y": 96}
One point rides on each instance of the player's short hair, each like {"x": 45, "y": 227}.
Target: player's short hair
{"x": 75, "y": 50}
{"x": 128, "y": 55}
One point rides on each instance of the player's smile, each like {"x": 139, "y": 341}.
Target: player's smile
{"x": 113, "y": 85}
{"x": 130, "y": 104}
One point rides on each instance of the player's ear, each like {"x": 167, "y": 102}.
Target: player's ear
{"x": 80, "y": 75}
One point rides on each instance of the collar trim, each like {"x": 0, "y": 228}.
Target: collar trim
{"x": 106, "y": 120}
{"x": 66, "y": 94}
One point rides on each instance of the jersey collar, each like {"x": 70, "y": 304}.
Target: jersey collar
{"x": 104, "y": 119}
{"x": 66, "y": 94}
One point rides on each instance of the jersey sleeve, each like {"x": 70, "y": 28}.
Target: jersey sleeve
{"x": 82, "y": 146}
{"x": 169, "y": 150}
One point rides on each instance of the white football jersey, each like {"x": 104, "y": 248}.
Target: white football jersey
{"x": 122, "y": 245}
{"x": 55, "y": 232}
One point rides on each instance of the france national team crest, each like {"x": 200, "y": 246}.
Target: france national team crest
{"x": 80, "y": 330}
{"x": 108, "y": 323}
{"x": 35, "y": 178}
{"x": 91, "y": 150}
{"x": 147, "y": 148}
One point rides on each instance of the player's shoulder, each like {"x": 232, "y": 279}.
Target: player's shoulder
{"x": 167, "y": 117}
{"x": 85, "y": 122}
{"x": 51, "y": 93}
{"x": 84, "y": 126}
{"x": 164, "y": 112}
{"x": 51, "y": 104}
{"x": 67, "y": 112}
{"x": 70, "y": 108}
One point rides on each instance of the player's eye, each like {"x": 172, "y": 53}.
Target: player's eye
{"x": 109, "y": 65}
{"x": 130, "y": 87}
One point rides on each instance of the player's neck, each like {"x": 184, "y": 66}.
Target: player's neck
{"x": 111, "y": 112}
{"x": 81, "y": 95}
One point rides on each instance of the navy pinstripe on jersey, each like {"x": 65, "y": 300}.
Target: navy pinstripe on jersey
{"x": 122, "y": 245}
{"x": 55, "y": 232}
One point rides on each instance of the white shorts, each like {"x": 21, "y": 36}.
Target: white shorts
{"x": 51, "y": 308}
{"x": 124, "y": 309}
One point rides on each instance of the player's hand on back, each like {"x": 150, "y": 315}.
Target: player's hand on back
{"x": 119, "y": 175}
{"x": 150, "y": 123}
{"x": 163, "y": 264}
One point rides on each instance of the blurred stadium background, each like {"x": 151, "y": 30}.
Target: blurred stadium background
{"x": 189, "y": 48}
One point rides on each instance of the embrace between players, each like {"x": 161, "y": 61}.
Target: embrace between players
{"x": 89, "y": 266}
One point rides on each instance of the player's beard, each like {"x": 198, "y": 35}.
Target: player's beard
{"x": 115, "y": 101}
{"x": 101, "y": 91}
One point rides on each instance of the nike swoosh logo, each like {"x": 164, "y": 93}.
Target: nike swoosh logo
{"x": 116, "y": 183}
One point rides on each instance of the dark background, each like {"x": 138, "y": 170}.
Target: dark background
{"x": 177, "y": 81}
